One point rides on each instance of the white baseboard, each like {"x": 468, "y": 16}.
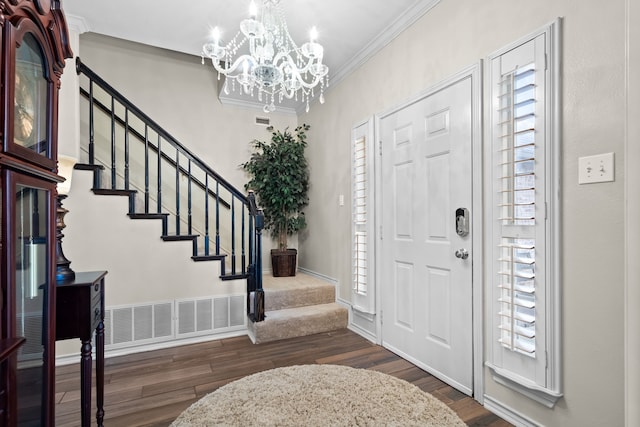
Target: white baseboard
{"x": 331, "y": 280}
{"x": 363, "y": 333}
{"x": 508, "y": 414}
{"x": 75, "y": 358}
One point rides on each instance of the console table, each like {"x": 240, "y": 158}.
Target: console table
{"x": 80, "y": 312}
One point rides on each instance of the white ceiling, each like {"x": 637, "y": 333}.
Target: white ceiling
{"x": 350, "y": 30}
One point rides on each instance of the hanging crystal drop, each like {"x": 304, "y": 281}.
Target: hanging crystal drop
{"x": 307, "y": 109}
{"x": 321, "y": 98}
{"x": 226, "y": 88}
{"x": 265, "y": 108}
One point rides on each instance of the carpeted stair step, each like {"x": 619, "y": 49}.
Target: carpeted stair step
{"x": 297, "y": 291}
{"x": 298, "y": 322}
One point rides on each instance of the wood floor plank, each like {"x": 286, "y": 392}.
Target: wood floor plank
{"x": 151, "y": 389}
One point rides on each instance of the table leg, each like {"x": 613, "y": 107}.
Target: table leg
{"x": 100, "y": 373}
{"x": 85, "y": 382}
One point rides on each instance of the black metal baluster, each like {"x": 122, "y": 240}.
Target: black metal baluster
{"x": 92, "y": 133}
{"x": 126, "y": 148}
{"x": 113, "y": 144}
{"x": 177, "y": 192}
{"x": 159, "y": 201}
{"x": 217, "y": 217}
{"x": 206, "y": 215}
{"x": 189, "y": 219}
{"x": 146, "y": 168}
{"x": 233, "y": 234}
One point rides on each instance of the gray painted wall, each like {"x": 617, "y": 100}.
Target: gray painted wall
{"x": 452, "y": 36}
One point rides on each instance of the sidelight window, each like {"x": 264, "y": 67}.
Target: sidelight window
{"x": 524, "y": 218}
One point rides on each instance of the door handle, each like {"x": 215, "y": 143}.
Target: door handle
{"x": 462, "y": 253}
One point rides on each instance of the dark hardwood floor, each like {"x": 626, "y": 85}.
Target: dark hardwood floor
{"x": 153, "y": 388}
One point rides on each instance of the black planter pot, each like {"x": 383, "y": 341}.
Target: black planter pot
{"x": 284, "y": 262}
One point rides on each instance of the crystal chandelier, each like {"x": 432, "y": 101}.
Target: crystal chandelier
{"x": 274, "y": 68}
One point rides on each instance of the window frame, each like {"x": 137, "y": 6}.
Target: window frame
{"x": 546, "y": 389}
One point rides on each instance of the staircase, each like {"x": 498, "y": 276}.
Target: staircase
{"x": 297, "y": 306}
{"x": 131, "y": 156}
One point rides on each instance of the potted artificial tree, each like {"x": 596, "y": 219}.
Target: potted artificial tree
{"x": 279, "y": 176}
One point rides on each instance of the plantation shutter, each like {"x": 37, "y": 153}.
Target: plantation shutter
{"x": 523, "y": 220}
{"x": 516, "y": 146}
{"x": 519, "y": 209}
{"x": 360, "y": 216}
{"x": 362, "y": 196}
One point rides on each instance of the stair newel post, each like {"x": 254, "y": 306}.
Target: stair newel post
{"x": 259, "y": 292}
{"x": 252, "y": 252}
{"x": 243, "y": 258}
{"x": 255, "y": 293}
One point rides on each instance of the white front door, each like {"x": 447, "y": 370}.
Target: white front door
{"x": 426, "y": 276}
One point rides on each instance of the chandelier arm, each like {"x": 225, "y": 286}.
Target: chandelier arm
{"x": 228, "y": 70}
{"x": 288, "y": 59}
{"x": 310, "y": 85}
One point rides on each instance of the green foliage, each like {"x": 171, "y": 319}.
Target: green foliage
{"x": 279, "y": 175}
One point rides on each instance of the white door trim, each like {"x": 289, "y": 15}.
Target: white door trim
{"x": 473, "y": 71}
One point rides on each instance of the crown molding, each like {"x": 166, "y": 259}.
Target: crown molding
{"x": 77, "y": 24}
{"x": 385, "y": 37}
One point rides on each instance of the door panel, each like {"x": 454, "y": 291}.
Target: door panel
{"x": 426, "y": 290}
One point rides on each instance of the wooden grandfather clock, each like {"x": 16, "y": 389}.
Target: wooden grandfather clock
{"x": 34, "y": 43}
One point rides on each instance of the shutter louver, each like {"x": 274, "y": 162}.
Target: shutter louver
{"x": 360, "y": 216}
{"x": 517, "y": 207}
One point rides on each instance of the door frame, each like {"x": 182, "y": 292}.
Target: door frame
{"x": 475, "y": 73}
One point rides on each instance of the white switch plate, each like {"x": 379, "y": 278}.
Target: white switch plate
{"x": 341, "y": 199}
{"x": 598, "y": 168}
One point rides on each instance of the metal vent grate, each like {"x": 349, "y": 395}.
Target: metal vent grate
{"x": 140, "y": 324}
{"x": 263, "y": 121}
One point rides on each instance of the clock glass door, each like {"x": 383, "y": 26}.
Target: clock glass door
{"x": 31, "y": 294}
{"x": 30, "y": 98}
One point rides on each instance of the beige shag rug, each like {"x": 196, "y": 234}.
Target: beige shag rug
{"x": 318, "y": 395}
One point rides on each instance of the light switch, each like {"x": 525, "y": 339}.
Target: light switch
{"x": 341, "y": 200}
{"x": 598, "y": 168}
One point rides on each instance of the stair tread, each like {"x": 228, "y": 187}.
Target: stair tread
{"x": 306, "y": 310}
{"x": 109, "y": 192}
{"x": 299, "y": 321}
{"x": 299, "y": 281}
{"x": 87, "y": 167}
{"x": 297, "y": 291}
{"x": 208, "y": 257}
{"x": 171, "y": 237}
{"x": 148, "y": 215}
